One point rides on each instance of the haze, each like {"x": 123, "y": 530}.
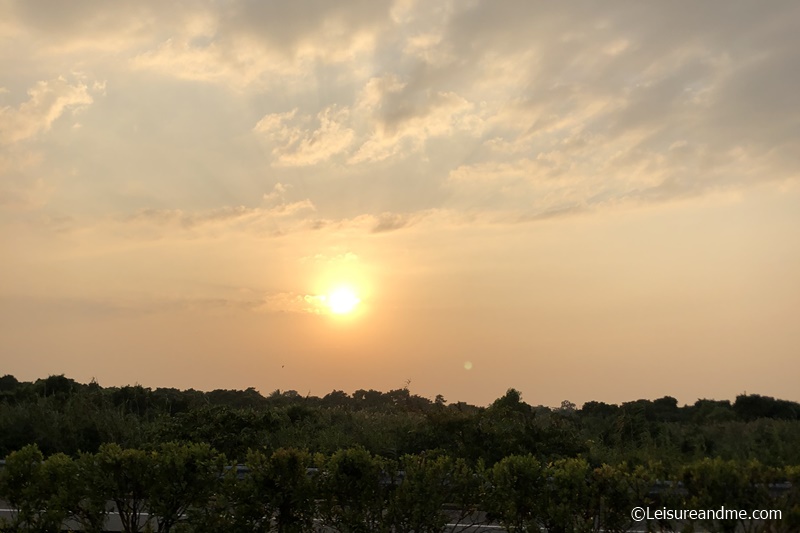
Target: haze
{"x": 583, "y": 201}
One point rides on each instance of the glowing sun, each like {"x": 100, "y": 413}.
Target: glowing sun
{"x": 342, "y": 301}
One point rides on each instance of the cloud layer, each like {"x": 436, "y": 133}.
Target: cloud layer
{"x": 524, "y": 108}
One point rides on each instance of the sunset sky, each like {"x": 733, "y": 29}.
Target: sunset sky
{"x": 580, "y": 200}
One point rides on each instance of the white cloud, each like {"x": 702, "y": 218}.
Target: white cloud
{"x": 289, "y": 302}
{"x": 48, "y": 100}
{"x": 296, "y": 145}
{"x": 239, "y": 63}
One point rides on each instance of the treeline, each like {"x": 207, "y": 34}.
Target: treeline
{"x": 192, "y": 488}
{"x": 60, "y": 415}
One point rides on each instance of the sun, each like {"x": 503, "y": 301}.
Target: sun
{"x": 342, "y": 301}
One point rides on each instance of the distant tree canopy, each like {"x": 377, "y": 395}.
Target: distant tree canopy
{"x": 753, "y": 407}
{"x": 59, "y": 414}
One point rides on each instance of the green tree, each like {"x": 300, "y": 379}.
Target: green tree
{"x": 416, "y": 505}
{"x": 183, "y": 475}
{"x": 282, "y": 484}
{"x": 788, "y": 500}
{"x": 230, "y": 508}
{"x": 714, "y": 483}
{"x": 129, "y": 476}
{"x": 90, "y": 494}
{"x": 515, "y": 499}
{"x": 355, "y": 488}
{"x": 37, "y": 489}
{"x": 567, "y": 502}
{"x": 468, "y": 493}
{"x": 613, "y": 498}
{"x": 641, "y": 479}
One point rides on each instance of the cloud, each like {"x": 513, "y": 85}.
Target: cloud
{"x": 406, "y": 106}
{"x": 275, "y": 209}
{"x": 319, "y": 258}
{"x": 277, "y": 194}
{"x": 404, "y": 116}
{"x": 48, "y": 100}
{"x": 390, "y": 222}
{"x": 18, "y": 196}
{"x": 87, "y": 25}
{"x": 285, "y": 302}
{"x": 574, "y": 176}
{"x": 244, "y": 44}
{"x": 296, "y": 145}
{"x": 396, "y": 125}
{"x": 243, "y": 300}
{"x": 276, "y": 219}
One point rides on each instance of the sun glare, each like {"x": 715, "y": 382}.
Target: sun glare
{"x": 342, "y": 301}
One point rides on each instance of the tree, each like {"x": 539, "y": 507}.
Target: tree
{"x": 183, "y": 475}
{"x": 416, "y": 504}
{"x": 129, "y": 476}
{"x": 56, "y": 385}
{"x": 788, "y": 500}
{"x": 468, "y": 487}
{"x": 753, "y": 406}
{"x": 230, "y": 508}
{"x": 89, "y": 487}
{"x": 8, "y": 383}
{"x": 515, "y": 498}
{"x": 354, "y": 491}
{"x": 641, "y": 479}
{"x": 613, "y": 498}
{"x": 714, "y": 483}
{"x": 37, "y": 489}
{"x": 282, "y": 485}
{"x": 567, "y": 501}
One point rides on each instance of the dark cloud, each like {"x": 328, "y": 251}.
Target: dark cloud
{"x": 390, "y": 222}
{"x": 554, "y": 213}
{"x": 288, "y": 25}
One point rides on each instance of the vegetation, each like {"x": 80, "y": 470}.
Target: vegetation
{"x": 375, "y": 461}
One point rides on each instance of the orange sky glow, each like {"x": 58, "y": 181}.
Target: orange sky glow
{"x": 581, "y": 201}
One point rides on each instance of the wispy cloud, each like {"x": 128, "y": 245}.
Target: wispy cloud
{"x": 47, "y": 101}
{"x": 300, "y": 146}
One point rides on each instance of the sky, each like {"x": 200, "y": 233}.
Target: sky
{"x": 579, "y": 200}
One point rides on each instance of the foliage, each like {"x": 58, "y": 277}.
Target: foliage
{"x": 38, "y": 489}
{"x": 187, "y": 488}
{"x": 129, "y": 476}
{"x": 281, "y": 484}
{"x": 518, "y": 486}
{"x": 61, "y": 415}
{"x": 89, "y": 488}
{"x": 568, "y": 503}
{"x": 417, "y": 503}
{"x": 613, "y": 498}
{"x": 714, "y": 483}
{"x": 382, "y": 460}
{"x": 183, "y": 476}
{"x": 354, "y": 489}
